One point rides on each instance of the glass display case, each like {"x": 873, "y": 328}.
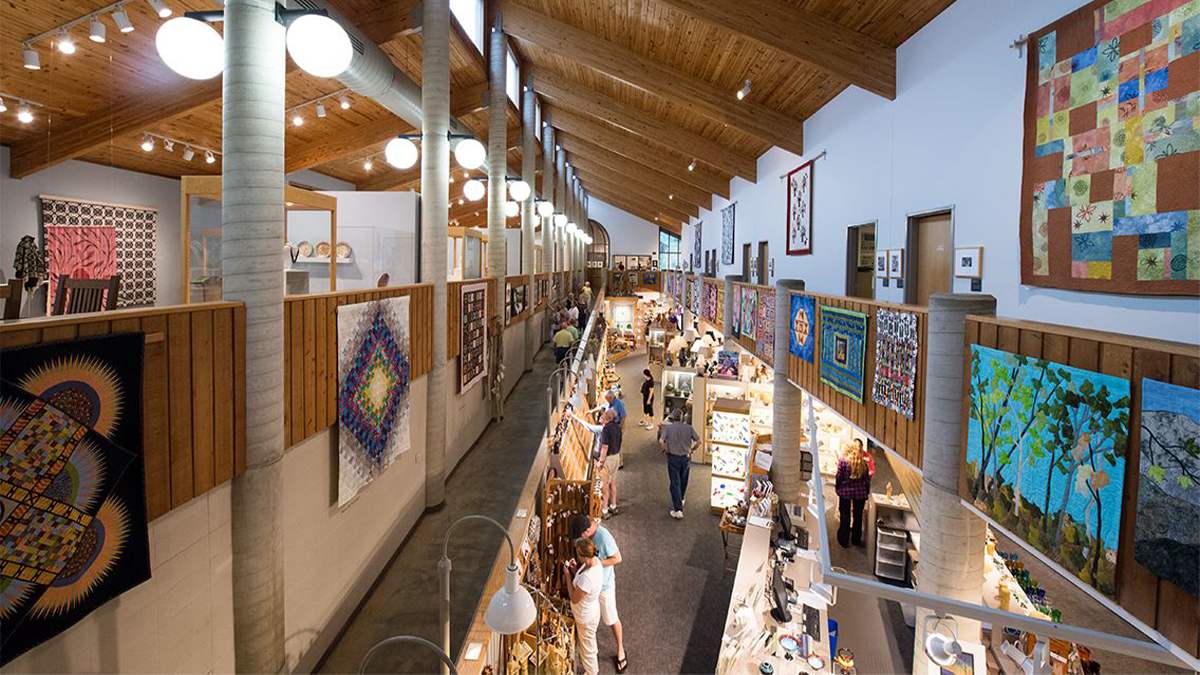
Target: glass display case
{"x": 658, "y": 337}
{"x": 622, "y": 317}
{"x": 677, "y": 389}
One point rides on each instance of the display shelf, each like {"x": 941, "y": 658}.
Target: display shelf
{"x": 322, "y": 260}
{"x": 891, "y": 525}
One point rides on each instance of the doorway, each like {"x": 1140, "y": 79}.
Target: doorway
{"x": 746, "y": 267}
{"x": 930, "y": 248}
{"x": 763, "y": 267}
{"x": 860, "y": 261}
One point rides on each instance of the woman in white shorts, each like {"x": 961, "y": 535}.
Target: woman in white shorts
{"x": 585, "y": 579}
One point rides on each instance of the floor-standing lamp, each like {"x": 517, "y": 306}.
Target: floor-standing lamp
{"x": 446, "y": 662}
{"x": 511, "y": 608}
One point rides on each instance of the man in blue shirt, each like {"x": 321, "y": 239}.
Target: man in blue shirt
{"x": 610, "y": 557}
{"x": 613, "y": 401}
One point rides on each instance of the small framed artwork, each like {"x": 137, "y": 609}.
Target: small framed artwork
{"x": 618, "y": 260}
{"x": 881, "y": 264}
{"x": 895, "y": 263}
{"x": 968, "y": 262}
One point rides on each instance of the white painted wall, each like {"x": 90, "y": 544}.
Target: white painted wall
{"x": 512, "y": 239}
{"x": 627, "y": 233}
{"x": 20, "y": 210}
{"x": 952, "y": 138}
{"x": 319, "y": 181}
{"x": 180, "y": 621}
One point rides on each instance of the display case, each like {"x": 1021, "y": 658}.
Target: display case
{"x": 678, "y": 388}
{"x": 622, "y": 316}
{"x": 729, "y": 442}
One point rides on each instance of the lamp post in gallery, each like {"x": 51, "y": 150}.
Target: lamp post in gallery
{"x": 447, "y": 663}
{"x": 511, "y": 610}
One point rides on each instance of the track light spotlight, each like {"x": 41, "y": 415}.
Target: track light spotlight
{"x": 188, "y": 154}
{"x": 97, "y": 32}
{"x": 24, "y": 114}
{"x": 692, "y": 165}
{"x": 3, "y": 106}
{"x": 160, "y": 8}
{"x": 208, "y": 157}
{"x": 31, "y": 57}
{"x": 744, "y": 91}
{"x": 121, "y": 19}
{"x": 66, "y": 44}
{"x": 147, "y": 143}
{"x": 321, "y": 110}
{"x": 671, "y": 196}
{"x": 297, "y": 120}
{"x": 344, "y": 102}
{"x": 368, "y": 165}
{"x": 168, "y": 145}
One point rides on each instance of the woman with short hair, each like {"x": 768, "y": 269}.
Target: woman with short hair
{"x": 584, "y": 578}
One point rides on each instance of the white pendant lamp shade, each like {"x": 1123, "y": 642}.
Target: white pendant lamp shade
{"x": 319, "y": 45}
{"x": 511, "y": 610}
{"x": 545, "y": 209}
{"x": 519, "y": 190}
{"x": 474, "y": 190}
{"x": 571, "y": 227}
{"x": 511, "y": 209}
{"x": 469, "y": 153}
{"x": 560, "y": 219}
{"x": 192, "y": 48}
{"x": 400, "y": 153}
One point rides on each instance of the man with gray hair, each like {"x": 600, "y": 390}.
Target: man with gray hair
{"x": 678, "y": 441}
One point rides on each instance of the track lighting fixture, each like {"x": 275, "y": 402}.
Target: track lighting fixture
{"x": 66, "y": 44}
{"x": 297, "y": 120}
{"x": 460, "y": 201}
{"x": 31, "y": 58}
{"x": 121, "y": 19}
{"x": 744, "y": 91}
{"x": 168, "y": 145}
{"x": 692, "y": 165}
{"x": 671, "y": 196}
{"x": 344, "y": 101}
{"x": 208, "y": 157}
{"x": 96, "y": 31}
{"x": 368, "y": 165}
{"x": 3, "y": 106}
{"x": 321, "y": 110}
{"x": 24, "y": 114}
{"x": 188, "y": 153}
{"x": 160, "y": 8}
{"x": 147, "y": 143}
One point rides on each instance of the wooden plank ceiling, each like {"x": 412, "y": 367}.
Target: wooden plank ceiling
{"x": 637, "y": 90}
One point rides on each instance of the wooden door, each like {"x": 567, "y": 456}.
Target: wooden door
{"x": 763, "y": 260}
{"x": 932, "y": 252}
{"x": 860, "y": 261}
{"x": 746, "y": 261}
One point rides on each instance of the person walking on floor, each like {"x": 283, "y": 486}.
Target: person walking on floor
{"x": 584, "y": 579}
{"x": 562, "y": 343}
{"x": 585, "y": 295}
{"x": 647, "y": 400}
{"x": 609, "y": 556}
{"x": 678, "y": 440}
{"x": 606, "y": 454}
{"x": 853, "y": 485}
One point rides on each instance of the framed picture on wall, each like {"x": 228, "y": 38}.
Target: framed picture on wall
{"x": 968, "y": 262}
{"x": 881, "y": 265}
{"x": 866, "y": 247}
{"x": 618, "y": 260}
{"x": 895, "y": 263}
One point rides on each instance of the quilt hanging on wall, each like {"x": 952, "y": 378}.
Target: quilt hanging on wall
{"x": 765, "y": 346}
{"x": 727, "y": 234}
{"x": 95, "y": 240}
{"x": 735, "y": 326}
{"x": 1167, "y": 525}
{"x": 895, "y": 360}
{"x": 749, "y": 302}
{"x": 1110, "y": 193}
{"x": 472, "y": 358}
{"x": 799, "y": 209}
{"x": 374, "y": 374}
{"x": 697, "y": 293}
{"x": 720, "y": 288}
{"x": 1045, "y": 457}
{"x": 843, "y": 347}
{"x": 710, "y": 301}
{"x": 697, "y": 246}
{"x": 72, "y": 490}
{"x": 802, "y": 337}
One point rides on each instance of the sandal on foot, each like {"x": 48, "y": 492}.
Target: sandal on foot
{"x": 621, "y": 664}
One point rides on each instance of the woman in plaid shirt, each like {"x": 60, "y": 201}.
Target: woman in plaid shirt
{"x": 853, "y": 486}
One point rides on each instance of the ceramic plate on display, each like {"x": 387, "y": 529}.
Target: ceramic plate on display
{"x": 305, "y": 248}
{"x": 789, "y": 643}
{"x": 343, "y": 250}
{"x": 816, "y": 662}
{"x": 323, "y": 249}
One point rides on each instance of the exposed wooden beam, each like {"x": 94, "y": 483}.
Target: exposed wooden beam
{"x": 653, "y": 77}
{"x": 638, "y": 150}
{"x": 635, "y": 206}
{"x": 844, "y": 53}
{"x": 463, "y": 101}
{"x": 587, "y": 154}
{"x": 647, "y": 192}
{"x": 660, "y": 203}
{"x": 572, "y": 95}
{"x": 130, "y": 115}
{"x": 389, "y": 20}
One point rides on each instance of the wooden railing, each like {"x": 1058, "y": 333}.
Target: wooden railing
{"x": 1158, "y": 602}
{"x": 193, "y": 389}
{"x": 310, "y": 352}
{"x": 899, "y": 433}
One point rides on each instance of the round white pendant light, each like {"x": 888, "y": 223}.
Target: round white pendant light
{"x": 319, "y": 45}
{"x": 571, "y": 228}
{"x": 560, "y": 219}
{"x": 469, "y": 153}
{"x": 511, "y": 209}
{"x": 474, "y": 189}
{"x": 545, "y": 209}
{"x": 192, "y": 48}
{"x": 519, "y": 190}
{"x": 400, "y": 153}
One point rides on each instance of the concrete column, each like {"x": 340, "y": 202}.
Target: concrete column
{"x": 547, "y": 192}
{"x": 497, "y": 164}
{"x": 529, "y": 175}
{"x": 560, "y": 205}
{"x": 435, "y": 205}
{"x": 729, "y": 302}
{"x": 952, "y": 537}
{"x": 787, "y": 422}
{"x": 252, "y": 225}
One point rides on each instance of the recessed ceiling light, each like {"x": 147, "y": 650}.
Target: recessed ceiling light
{"x": 121, "y": 19}
{"x": 97, "y": 32}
